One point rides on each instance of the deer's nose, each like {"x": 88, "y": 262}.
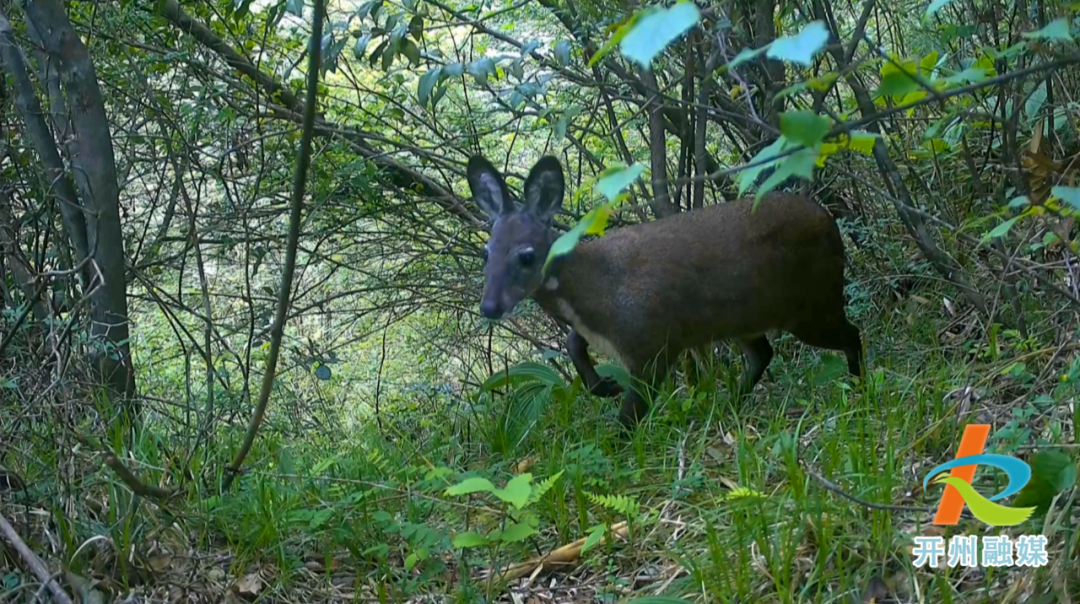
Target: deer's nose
{"x": 491, "y": 309}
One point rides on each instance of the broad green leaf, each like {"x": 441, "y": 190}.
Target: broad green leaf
{"x": 361, "y": 46}
{"x": 655, "y": 29}
{"x": 862, "y": 141}
{"x": 896, "y": 84}
{"x": 592, "y": 223}
{"x": 517, "y": 491}
{"x": 971, "y": 75}
{"x": 412, "y": 51}
{"x": 937, "y": 5}
{"x": 1035, "y": 102}
{"x": 613, "y": 180}
{"x": 1070, "y": 195}
{"x": 427, "y": 84}
{"x": 1000, "y": 230}
{"x": 481, "y": 69}
{"x": 416, "y": 27}
{"x": 471, "y": 485}
{"x": 803, "y": 46}
{"x": 1058, "y": 29}
{"x": 928, "y": 63}
{"x": 1052, "y": 472}
{"x": 610, "y": 45}
{"x": 804, "y": 127}
{"x": 295, "y": 7}
{"x": 759, "y": 163}
{"x": 454, "y": 70}
{"x": 527, "y": 371}
{"x": 596, "y": 533}
{"x": 801, "y": 164}
{"x": 746, "y": 54}
{"x": 1019, "y": 202}
{"x": 562, "y": 53}
{"x": 469, "y": 539}
{"x": 518, "y": 531}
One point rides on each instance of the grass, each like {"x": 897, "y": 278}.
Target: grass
{"x": 720, "y": 498}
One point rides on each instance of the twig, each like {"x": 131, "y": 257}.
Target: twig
{"x": 36, "y": 565}
{"x": 832, "y": 486}
{"x": 303, "y": 159}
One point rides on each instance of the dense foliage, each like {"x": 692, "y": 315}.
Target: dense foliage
{"x": 187, "y": 242}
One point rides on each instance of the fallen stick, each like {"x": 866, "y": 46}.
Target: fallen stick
{"x": 564, "y": 555}
{"x": 36, "y": 565}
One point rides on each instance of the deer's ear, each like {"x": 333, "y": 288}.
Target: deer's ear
{"x": 544, "y": 188}
{"x": 488, "y": 187}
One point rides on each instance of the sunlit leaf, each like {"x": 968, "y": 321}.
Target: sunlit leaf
{"x": 746, "y": 54}
{"x": 471, "y": 485}
{"x": 517, "y": 491}
{"x": 655, "y": 29}
{"x": 896, "y": 84}
{"x": 1000, "y": 230}
{"x": 454, "y": 70}
{"x": 295, "y": 7}
{"x": 803, "y": 46}
{"x": 928, "y": 63}
{"x": 361, "y": 46}
{"x": 937, "y": 5}
{"x": 800, "y": 164}
{"x": 971, "y": 75}
{"x": 760, "y": 162}
{"x": 592, "y": 223}
{"x": 1070, "y": 195}
{"x": 1058, "y": 29}
{"x": 613, "y": 180}
{"x": 1019, "y": 202}
{"x": 614, "y": 41}
{"x": 804, "y": 127}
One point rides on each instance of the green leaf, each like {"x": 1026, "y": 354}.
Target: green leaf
{"x": 454, "y": 70}
{"x": 749, "y": 176}
{"x": 937, "y": 5}
{"x": 416, "y": 27}
{"x": 1035, "y": 102}
{"x": 1000, "y": 230}
{"x": 896, "y": 84}
{"x": 592, "y": 223}
{"x": 971, "y": 75}
{"x": 562, "y": 53}
{"x": 1070, "y": 195}
{"x": 361, "y": 46}
{"x": 746, "y": 54}
{"x": 1058, "y": 29}
{"x": 519, "y": 531}
{"x": 481, "y": 69}
{"x": 596, "y": 533}
{"x": 527, "y": 371}
{"x": 427, "y": 84}
{"x": 469, "y": 539}
{"x": 655, "y": 29}
{"x": 295, "y": 7}
{"x": 1052, "y": 472}
{"x": 800, "y": 163}
{"x": 801, "y": 47}
{"x": 928, "y": 63}
{"x": 610, "y": 45}
{"x": 1019, "y": 202}
{"x": 471, "y": 485}
{"x": 517, "y": 491}
{"x": 412, "y": 51}
{"x": 612, "y": 181}
{"x": 804, "y": 127}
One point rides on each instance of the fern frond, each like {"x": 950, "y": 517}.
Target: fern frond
{"x": 623, "y": 504}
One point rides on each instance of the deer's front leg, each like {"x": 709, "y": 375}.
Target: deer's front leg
{"x": 579, "y": 354}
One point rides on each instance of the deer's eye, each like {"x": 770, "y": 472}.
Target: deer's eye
{"x": 485, "y": 254}
{"x": 527, "y": 257}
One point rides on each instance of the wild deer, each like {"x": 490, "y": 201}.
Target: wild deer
{"x": 644, "y": 293}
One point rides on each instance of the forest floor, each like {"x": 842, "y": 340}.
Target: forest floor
{"x": 708, "y": 501}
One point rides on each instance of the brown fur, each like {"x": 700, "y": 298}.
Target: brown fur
{"x": 647, "y": 292}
